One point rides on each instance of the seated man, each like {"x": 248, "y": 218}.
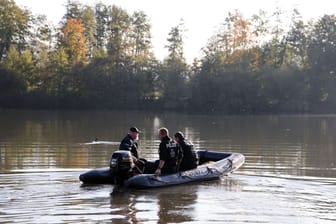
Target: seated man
{"x": 169, "y": 153}
{"x": 129, "y": 143}
{"x": 190, "y": 157}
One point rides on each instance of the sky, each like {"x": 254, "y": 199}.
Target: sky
{"x": 201, "y": 17}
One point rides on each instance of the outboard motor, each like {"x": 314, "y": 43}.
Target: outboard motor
{"x": 121, "y": 166}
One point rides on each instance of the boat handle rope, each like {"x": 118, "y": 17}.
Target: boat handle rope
{"x": 231, "y": 163}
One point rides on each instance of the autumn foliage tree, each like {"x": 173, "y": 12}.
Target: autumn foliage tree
{"x": 74, "y": 41}
{"x": 102, "y": 57}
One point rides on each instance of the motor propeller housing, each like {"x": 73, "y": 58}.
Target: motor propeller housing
{"x": 121, "y": 165}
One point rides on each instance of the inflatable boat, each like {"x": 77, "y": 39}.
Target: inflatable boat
{"x": 212, "y": 165}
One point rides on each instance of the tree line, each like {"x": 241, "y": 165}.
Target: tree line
{"x": 101, "y": 57}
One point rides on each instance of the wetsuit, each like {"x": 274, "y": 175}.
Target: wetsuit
{"x": 190, "y": 158}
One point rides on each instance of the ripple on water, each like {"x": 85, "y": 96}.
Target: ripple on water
{"x": 58, "y": 197}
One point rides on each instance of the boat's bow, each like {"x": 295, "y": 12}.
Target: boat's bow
{"x": 207, "y": 171}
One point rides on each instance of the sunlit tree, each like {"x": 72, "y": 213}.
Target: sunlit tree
{"x": 141, "y": 44}
{"x": 119, "y": 27}
{"x": 174, "y": 74}
{"x": 321, "y": 55}
{"x": 13, "y": 26}
{"x": 22, "y": 66}
{"x": 90, "y": 26}
{"x": 102, "y": 18}
{"x": 73, "y": 9}
{"x": 74, "y": 41}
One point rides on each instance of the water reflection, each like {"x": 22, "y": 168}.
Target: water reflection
{"x": 56, "y": 197}
{"x": 123, "y": 207}
{"x": 166, "y": 205}
{"x": 299, "y": 151}
{"x": 277, "y": 145}
{"x": 176, "y": 205}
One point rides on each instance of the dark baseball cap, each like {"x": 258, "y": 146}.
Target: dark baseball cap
{"x": 135, "y": 129}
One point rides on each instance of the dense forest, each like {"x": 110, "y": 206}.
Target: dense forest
{"x": 101, "y": 57}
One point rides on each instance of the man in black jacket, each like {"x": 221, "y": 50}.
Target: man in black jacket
{"x": 190, "y": 158}
{"x": 169, "y": 154}
{"x": 129, "y": 142}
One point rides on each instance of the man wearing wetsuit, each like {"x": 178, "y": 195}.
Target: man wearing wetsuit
{"x": 190, "y": 158}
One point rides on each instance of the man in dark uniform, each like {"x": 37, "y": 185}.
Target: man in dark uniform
{"x": 129, "y": 142}
{"x": 169, "y": 152}
{"x": 190, "y": 158}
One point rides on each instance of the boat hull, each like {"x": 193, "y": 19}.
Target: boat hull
{"x": 214, "y": 165}
{"x": 209, "y": 171}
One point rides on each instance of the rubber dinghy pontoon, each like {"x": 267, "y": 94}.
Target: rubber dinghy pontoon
{"x": 213, "y": 165}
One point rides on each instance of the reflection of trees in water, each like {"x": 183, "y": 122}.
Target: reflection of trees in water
{"x": 176, "y": 206}
{"x": 123, "y": 207}
{"x": 175, "y": 203}
{"x": 164, "y": 205}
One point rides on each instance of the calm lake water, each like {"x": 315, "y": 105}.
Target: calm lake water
{"x": 289, "y": 175}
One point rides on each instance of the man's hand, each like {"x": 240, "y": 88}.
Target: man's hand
{"x": 134, "y": 159}
{"x": 158, "y": 172}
